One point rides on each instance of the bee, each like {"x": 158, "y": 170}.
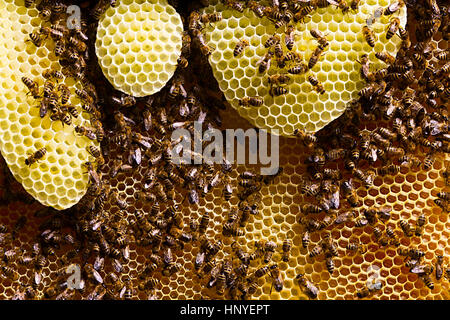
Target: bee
{"x": 39, "y": 154}
{"x": 329, "y": 263}
{"x": 316, "y": 84}
{"x": 65, "y": 93}
{"x": 406, "y": 228}
{"x": 85, "y": 132}
{"x": 79, "y": 45}
{"x": 277, "y": 278}
{"x": 278, "y": 91}
{"x": 356, "y": 246}
{"x": 369, "y": 36}
{"x": 315, "y": 56}
{"x": 393, "y": 27}
{"x": 93, "y": 175}
{"x": 385, "y": 57}
{"x": 307, "y": 286}
{"x": 238, "y": 6}
{"x": 317, "y": 250}
{"x": 256, "y": 8}
{"x": 261, "y": 272}
{"x": 272, "y": 41}
{"x": 278, "y": 49}
{"x": 264, "y": 62}
{"x": 32, "y": 86}
{"x": 240, "y": 47}
{"x": 289, "y": 37}
{"x": 251, "y": 101}
{"x": 204, "y": 221}
{"x": 421, "y": 220}
{"x": 428, "y": 161}
{"x": 361, "y": 222}
{"x": 367, "y": 291}
{"x": 438, "y": 267}
{"x": 354, "y": 4}
{"x": 365, "y": 71}
{"x": 319, "y": 36}
{"x": 341, "y": 4}
{"x": 286, "y": 247}
{"x": 427, "y": 280}
{"x": 35, "y": 38}
{"x": 99, "y": 9}
{"x": 278, "y": 79}
{"x": 211, "y": 17}
{"x": 443, "y": 55}
{"x": 298, "y": 69}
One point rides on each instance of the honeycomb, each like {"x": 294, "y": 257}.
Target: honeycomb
{"x": 338, "y": 70}
{"x": 138, "y": 45}
{"x": 58, "y": 179}
{"x": 410, "y": 193}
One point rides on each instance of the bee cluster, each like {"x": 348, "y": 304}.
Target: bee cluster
{"x": 146, "y": 222}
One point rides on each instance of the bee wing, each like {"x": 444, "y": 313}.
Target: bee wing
{"x": 333, "y": 2}
{"x": 418, "y": 269}
{"x": 37, "y": 278}
{"x": 98, "y": 263}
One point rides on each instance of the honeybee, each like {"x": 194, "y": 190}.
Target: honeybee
{"x": 278, "y": 79}
{"x": 278, "y": 49}
{"x": 93, "y": 175}
{"x": 238, "y": 6}
{"x": 251, "y": 101}
{"x": 85, "y": 132}
{"x": 356, "y": 246}
{"x": 264, "y": 62}
{"x": 298, "y": 69}
{"x": 367, "y": 291}
{"x": 39, "y": 154}
{"x": 341, "y": 4}
{"x": 365, "y": 69}
{"x": 278, "y": 91}
{"x": 65, "y": 93}
{"x": 427, "y": 280}
{"x": 211, "y": 17}
{"x": 329, "y": 263}
{"x": 406, "y": 227}
{"x": 317, "y": 250}
{"x": 240, "y": 47}
{"x": 385, "y": 57}
{"x": 316, "y": 84}
{"x": 35, "y": 38}
{"x": 79, "y": 45}
{"x": 32, "y": 86}
{"x": 256, "y": 8}
{"x": 308, "y": 139}
{"x": 277, "y": 278}
{"x": 354, "y": 4}
{"x": 369, "y": 36}
{"x": 307, "y": 286}
{"x": 289, "y": 37}
{"x": 319, "y": 36}
{"x": 393, "y": 27}
{"x": 428, "y": 161}
{"x": 315, "y": 56}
